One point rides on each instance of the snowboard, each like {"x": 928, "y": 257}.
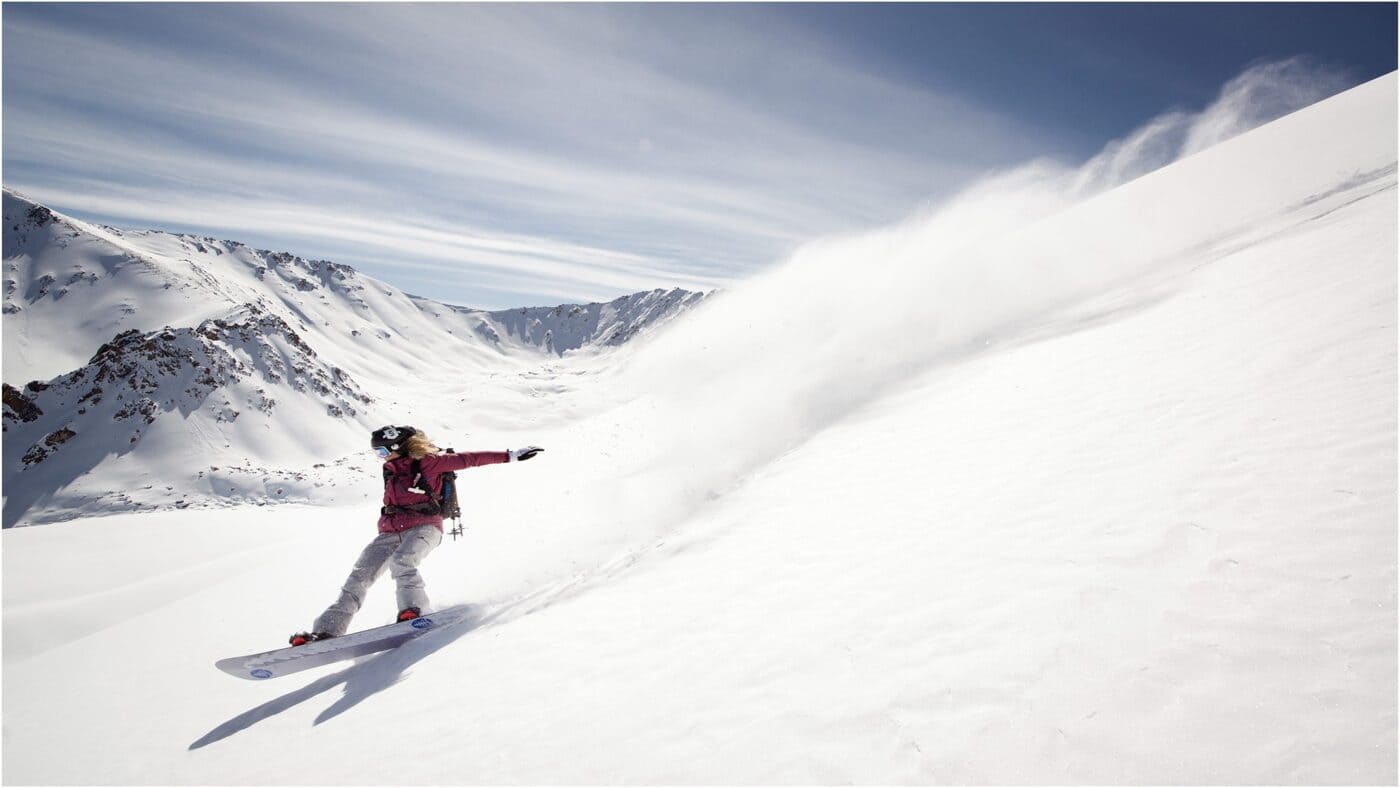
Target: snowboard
{"x": 294, "y": 659}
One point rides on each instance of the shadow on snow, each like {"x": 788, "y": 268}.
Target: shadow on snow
{"x": 365, "y": 678}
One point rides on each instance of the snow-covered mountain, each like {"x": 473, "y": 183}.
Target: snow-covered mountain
{"x": 132, "y": 358}
{"x": 1103, "y": 494}
{"x": 67, "y": 281}
{"x": 567, "y": 327}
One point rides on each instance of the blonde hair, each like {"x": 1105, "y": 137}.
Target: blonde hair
{"x": 419, "y": 446}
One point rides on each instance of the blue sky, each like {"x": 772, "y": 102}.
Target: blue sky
{"x": 501, "y": 155}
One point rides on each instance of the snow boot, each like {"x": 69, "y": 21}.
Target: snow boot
{"x": 302, "y": 638}
{"x": 409, "y": 613}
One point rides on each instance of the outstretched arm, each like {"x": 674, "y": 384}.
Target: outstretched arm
{"x": 471, "y": 459}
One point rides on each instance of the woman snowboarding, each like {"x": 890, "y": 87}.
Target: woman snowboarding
{"x": 410, "y": 524}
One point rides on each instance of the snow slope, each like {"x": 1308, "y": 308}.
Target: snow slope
{"x": 1119, "y": 506}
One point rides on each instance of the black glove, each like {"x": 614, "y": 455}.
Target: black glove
{"x": 524, "y": 454}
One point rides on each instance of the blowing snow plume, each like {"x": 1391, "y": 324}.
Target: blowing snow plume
{"x": 760, "y": 369}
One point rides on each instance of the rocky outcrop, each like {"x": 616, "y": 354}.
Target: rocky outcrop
{"x": 136, "y": 377}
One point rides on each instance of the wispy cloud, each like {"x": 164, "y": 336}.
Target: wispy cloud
{"x": 569, "y": 151}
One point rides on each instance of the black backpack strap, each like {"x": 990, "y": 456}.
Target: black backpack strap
{"x": 415, "y": 476}
{"x": 420, "y": 483}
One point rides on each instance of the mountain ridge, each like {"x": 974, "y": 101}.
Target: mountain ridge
{"x": 114, "y": 336}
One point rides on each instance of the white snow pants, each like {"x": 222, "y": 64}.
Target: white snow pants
{"x": 399, "y": 553}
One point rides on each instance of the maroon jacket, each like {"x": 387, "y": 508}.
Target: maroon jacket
{"x": 396, "y": 491}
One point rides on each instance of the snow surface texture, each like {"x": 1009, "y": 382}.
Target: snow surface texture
{"x": 1075, "y": 486}
{"x": 227, "y": 375}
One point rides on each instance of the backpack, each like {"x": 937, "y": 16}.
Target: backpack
{"x": 445, "y": 504}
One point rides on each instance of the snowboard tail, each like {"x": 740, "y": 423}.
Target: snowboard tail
{"x": 294, "y": 659}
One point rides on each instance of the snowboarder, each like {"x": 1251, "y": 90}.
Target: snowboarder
{"x": 410, "y": 524}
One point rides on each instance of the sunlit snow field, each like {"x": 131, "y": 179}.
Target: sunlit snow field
{"x": 1050, "y": 485}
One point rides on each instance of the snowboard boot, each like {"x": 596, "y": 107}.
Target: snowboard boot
{"x": 409, "y": 613}
{"x": 302, "y": 638}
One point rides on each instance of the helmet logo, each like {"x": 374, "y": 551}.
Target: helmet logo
{"x": 390, "y": 433}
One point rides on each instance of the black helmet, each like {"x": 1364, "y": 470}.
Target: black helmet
{"x": 391, "y": 437}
